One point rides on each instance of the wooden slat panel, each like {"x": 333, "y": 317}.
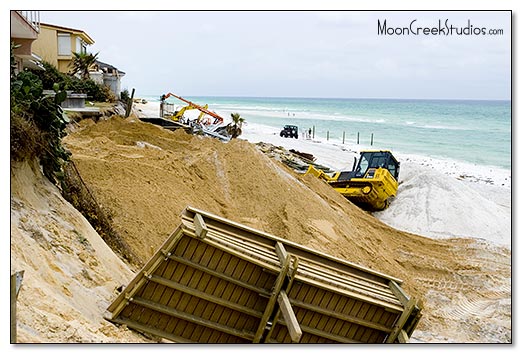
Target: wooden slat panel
{"x": 245, "y": 249}
{"x": 229, "y": 281}
{"x": 145, "y": 329}
{"x": 317, "y": 283}
{"x": 291, "y": 247}
{"x": 247, "y": 245}
{"x": 190, "y": 318}
{"x": 350, "y": 283}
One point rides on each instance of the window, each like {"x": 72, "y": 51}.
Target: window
{"x": 64, "y": 44}
{"x": 80, "y": 46}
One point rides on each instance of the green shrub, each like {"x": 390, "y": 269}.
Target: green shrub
{"x": 51, "y": 76}
{"x": 37, "y": 124}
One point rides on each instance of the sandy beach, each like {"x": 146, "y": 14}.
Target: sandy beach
{"x": 459, "y": 266}
{"x": 436, "y": 198}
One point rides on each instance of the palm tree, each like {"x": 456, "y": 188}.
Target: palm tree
{"x": 82, "y": 62}
{"x": 234, "y": 127}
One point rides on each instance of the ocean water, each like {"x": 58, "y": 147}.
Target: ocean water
{"x": 477, "y": 132}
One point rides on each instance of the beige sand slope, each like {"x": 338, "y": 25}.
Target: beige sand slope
{"x": 145, "y": 176}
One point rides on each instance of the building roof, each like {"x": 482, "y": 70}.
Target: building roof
{"x": 79, "y": 32}
{"x": 103, "y": 65}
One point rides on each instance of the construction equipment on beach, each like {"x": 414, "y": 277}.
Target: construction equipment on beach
{"x": 178, "y": 115}
{"x": 372, "y": 183}
{"x": 191, "y": 105}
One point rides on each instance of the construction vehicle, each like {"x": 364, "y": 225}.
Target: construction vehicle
{"x": 289, "y": 131}
{"x": 178, "y": 114}
{"x": 372, "y": 183}
{"x": 208, "y": 123}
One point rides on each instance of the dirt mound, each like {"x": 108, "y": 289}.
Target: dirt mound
{"x": 144, "y": 176}
{"x": 70, "y": 274}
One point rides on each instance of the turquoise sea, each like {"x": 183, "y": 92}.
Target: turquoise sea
{"x": 478, "y": 132}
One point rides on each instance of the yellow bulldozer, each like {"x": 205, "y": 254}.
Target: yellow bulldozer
{"x": 372, "y": 183}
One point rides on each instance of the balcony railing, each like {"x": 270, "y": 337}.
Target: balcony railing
{"x": 33, "y": 18}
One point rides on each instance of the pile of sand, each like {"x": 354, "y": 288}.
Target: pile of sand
{"x": 144, "y": 176}
{"x": 70, "y": 274}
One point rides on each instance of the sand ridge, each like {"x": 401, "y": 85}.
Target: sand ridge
{"x": 146, "y": 188}
{"x": 144, "y": 176}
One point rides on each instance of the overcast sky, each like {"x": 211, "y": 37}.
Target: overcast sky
{"x": 300, "y": 53}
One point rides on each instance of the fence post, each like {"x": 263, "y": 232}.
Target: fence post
{"x": 343, "y": 137}
{"x": 327, "y": 135}
{"x": 313, "y": 131}
{"x": 357, "y": 138}
{"x": 129, "y": 105}
{"x": 371, "y": 142}
{"x": 16, "y": 283}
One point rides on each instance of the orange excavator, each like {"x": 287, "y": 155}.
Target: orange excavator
{"x": 217, "y": 118}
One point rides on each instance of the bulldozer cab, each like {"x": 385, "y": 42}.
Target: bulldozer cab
{"x": 376, "y": 159}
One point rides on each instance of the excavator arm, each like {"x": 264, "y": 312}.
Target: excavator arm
{"x": 202, "y": 109}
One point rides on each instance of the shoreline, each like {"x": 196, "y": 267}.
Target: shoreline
{"x": 436, "y": 198}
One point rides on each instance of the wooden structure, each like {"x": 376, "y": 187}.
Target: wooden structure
{"x": 216, "y": 281}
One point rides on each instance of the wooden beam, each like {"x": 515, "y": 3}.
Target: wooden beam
{"x": 272, "y": 301}
{"x": 147, "y": 329}
{"x": 191, "y": 318}
{"x": 281, "y": 252}
{"x": 202, "y": 295}
{"x": 140, "y": 279}
{"x": 327, "y": 335}
{"x": 403, "y": 337}
{"x": 341, "y": 316}
{"x": 217, "y": 274}
{"x": 223, "y": 247}
{"x": 394, "y": 307}
{"x": 289, "y": 316}
{"x": 399, "y": 293}
{"x": 200, "y": 226}
{"x": 293, "y": 272}
{"x": 402, "y": 320}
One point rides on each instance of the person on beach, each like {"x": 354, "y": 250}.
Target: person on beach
{"x": 309, "y": 133}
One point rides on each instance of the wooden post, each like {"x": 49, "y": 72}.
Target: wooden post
{"x": 327, "y": 135}
{"x": 288, "y": 314}
{"x": 313, "y": 131}
{"x": 343, "y": 136}
{"x": 200, "y": 226}
{"x": 371, "y": 142}
{"x": 129, "y": 104}
{"x": 357, "y": 138}
{"x": 16, "y": 283}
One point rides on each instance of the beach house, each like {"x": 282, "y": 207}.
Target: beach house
{"x": 25, "y": 29}
{"x": 108, "y": 75}
{"x": 56, "y": 45}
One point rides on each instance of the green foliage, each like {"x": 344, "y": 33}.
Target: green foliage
{"x": 94, "y": 91}
{"x": 82, "y": 63}
{"x": 124, "y": 96}
{"x": 39, "y": 121}
{"x": 13, "y": 61}
{"x": 51, "y": 76}
{"x": 234, "y": 128}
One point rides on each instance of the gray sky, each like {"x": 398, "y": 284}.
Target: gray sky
{"x": 300, "y": 53}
